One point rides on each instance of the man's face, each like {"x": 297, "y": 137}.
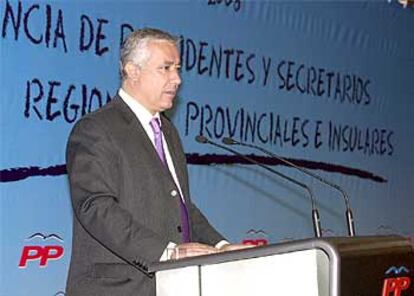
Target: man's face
{"x": 159, "y": 79}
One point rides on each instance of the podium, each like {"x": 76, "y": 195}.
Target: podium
{"x": 347, "y": 266}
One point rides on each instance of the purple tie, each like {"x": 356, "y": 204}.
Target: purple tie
{"x": 156, "y": 128}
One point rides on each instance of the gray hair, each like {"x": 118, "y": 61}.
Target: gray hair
{"x": 135, "y": 47}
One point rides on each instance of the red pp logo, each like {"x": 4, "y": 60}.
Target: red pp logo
{"x": 41, "y": 254}
{"x": 256, "y": 238}
{"x": 394, "y": 286}
{"x": 255, "y": 242}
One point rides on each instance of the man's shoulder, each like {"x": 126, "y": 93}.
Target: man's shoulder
{"x": 113, "y": 110}
{"x": 107, "y": 117}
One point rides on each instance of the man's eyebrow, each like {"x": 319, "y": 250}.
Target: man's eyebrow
{"x": 171, "y": 63}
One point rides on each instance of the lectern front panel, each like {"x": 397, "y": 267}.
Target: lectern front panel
{"x": 295, "y": 274}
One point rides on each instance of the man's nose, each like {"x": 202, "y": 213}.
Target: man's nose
{"x": 175, "y": 77}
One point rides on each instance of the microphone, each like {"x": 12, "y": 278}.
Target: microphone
{"x": 348, "y": 213}
{"x": 315, "y": 212}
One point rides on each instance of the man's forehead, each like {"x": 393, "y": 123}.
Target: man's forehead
{"x": 162, "y": 45}
{"x": 164, "y": 51}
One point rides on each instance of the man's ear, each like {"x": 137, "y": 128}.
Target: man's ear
{"x": 132, "y": 71}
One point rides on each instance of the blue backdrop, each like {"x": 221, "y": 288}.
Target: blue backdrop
{"x": 328, "y": 85}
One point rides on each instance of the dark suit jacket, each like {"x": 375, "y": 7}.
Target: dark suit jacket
{"x": 124, "y": 210}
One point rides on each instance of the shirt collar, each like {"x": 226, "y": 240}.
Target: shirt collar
{"x": 143, "y": 115}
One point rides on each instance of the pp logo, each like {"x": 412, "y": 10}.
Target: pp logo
{"x": 41, "y": 254}
{"x": 256, "y": 238}
{"x": 394, "y": 286}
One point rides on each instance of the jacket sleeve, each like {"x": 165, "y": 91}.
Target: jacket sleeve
{"x": 92, "y": 165}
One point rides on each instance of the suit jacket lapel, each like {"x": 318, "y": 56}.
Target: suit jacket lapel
{"x": 179, "y": 166}
{"x": 135, "y": 131}
{"x": 139, "y": 138}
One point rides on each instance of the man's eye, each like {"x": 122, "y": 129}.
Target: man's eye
{"x": 165, "y": 68}
{"x": 169, "y": 68}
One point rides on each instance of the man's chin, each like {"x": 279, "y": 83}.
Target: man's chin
{"x": 167, "y": 105}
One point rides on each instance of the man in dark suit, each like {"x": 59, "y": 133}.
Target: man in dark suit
{"x": 128, "y": 179}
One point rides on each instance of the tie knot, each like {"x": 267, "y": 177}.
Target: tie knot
{"x": 155, "y": 125}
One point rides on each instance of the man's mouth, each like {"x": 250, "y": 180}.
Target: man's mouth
{"x": 170, "y": 92}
